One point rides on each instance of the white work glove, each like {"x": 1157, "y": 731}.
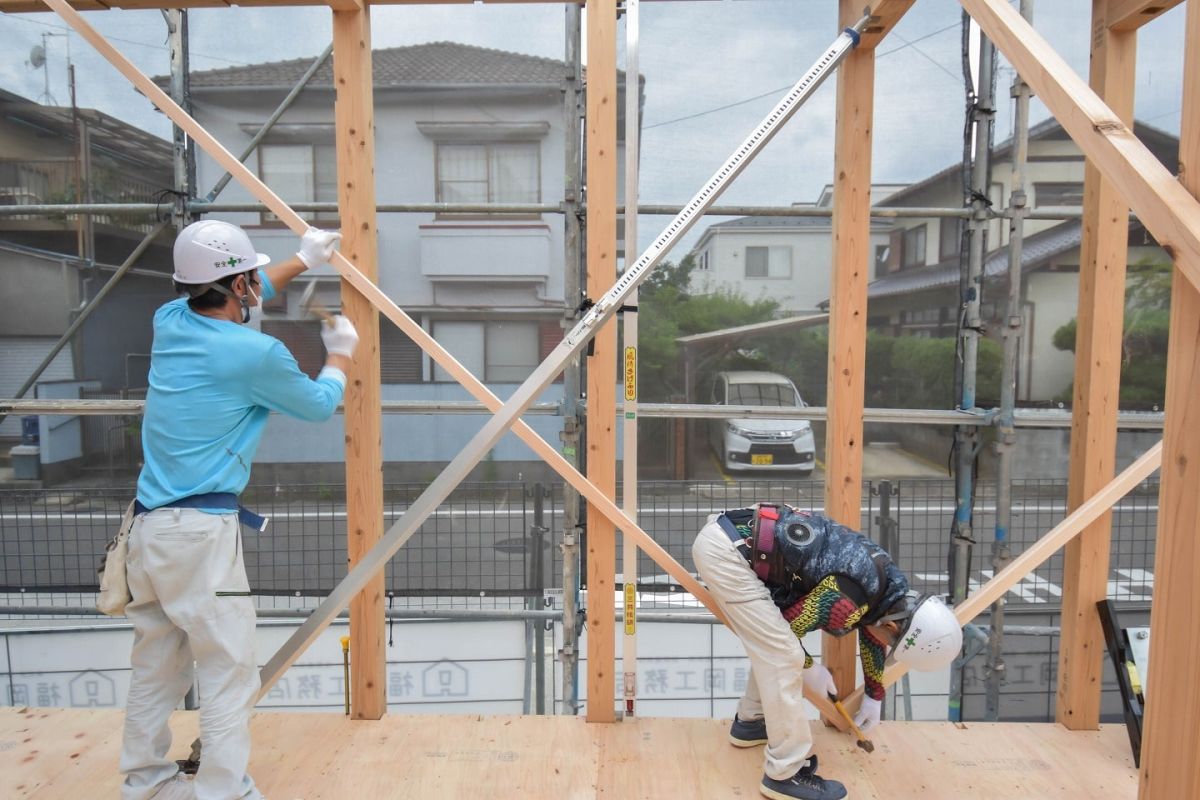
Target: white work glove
{"x": 817, "y": 678}
{"x": 868, "y": 714}
{"x": 316, "y": 247}
{"x": 339, "y": 336}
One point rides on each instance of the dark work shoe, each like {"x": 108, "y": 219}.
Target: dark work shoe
{"x": 805, "y": 785}
{"x": 748, "y": 734}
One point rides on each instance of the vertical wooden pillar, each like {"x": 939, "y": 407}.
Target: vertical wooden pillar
{"x": 1097, "y": 388}
{"x": 852, "y": 258}
{"x": 602, "y": 365}
{"x": 355, "y": 123}
{"x": 1171, "y": 734}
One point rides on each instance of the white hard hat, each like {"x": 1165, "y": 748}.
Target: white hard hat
{"x": 931, "y": 638}
{"x": 209, "y": 250}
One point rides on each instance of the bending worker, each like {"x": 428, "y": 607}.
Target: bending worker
{"x": 777, "y": 574}
{"x": 213, "y": 381}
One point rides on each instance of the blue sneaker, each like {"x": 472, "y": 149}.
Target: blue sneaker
{"x": 748, "y": 734}
{"x": 804, "y": 785}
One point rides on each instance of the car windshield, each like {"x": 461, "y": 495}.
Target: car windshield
{"x": 761, "y": 394}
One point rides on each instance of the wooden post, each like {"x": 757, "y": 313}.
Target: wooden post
{"x": 355, "y": 123}
{"x": 602, "y": 365}
{"x": 1097, "y": 387}
{"x": 1171, "y": 733}
{"x": 852, "y": 256}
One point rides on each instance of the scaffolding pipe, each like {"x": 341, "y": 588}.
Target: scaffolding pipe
{"x": 573, "y": 265}
{"x": 86, "y": 312}
{"x": 182, "y": 154}
{"x": 1022, "y": 418}
{"x": 271, "y": 120}
{"x": 203, "y": 207}
{"x": 1011, "y": 329}
{"x": 966, "y": 438}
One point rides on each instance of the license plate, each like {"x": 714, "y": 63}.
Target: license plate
{"x": 762, "y": 460}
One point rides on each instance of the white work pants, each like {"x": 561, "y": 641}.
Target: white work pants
{"x": 191, "y": 603}
{"x": 775, "y": 687}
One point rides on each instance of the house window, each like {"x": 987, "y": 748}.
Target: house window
{"x": 914, "y": 246}
{"x": 883, "y": 254}
{"x": 949, "y": 237}
{"x": 1058, "y": 194}
{"x": 399, "y": 356}
{"x": 769, "y": 262}
{"x": 300, "y": 173}
{"x": 505, "y": 351}
{"x": 489, "y": 173}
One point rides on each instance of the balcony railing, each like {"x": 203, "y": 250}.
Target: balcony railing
{"x": 26, "y": 182}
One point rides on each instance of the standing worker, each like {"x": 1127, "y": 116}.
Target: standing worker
{"x": 777, "y": 574}
{"x": 213, "y": 382}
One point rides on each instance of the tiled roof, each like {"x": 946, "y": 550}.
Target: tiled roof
{"x": 424, "y": 65}
{"x": 1035, "y": 252}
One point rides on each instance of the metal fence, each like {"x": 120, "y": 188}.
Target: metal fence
{"x": 500, "y": 539}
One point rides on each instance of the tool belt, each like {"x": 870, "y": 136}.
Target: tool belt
{"x": 766, "y": 559}
{"x": 214, "y": 501}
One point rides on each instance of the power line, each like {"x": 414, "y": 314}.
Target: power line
{"x": 774, "y": 92}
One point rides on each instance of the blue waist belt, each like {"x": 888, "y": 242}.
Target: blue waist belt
{"x": 213, "y": 501}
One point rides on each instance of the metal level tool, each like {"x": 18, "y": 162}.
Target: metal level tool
{"x": 603, "y": 309}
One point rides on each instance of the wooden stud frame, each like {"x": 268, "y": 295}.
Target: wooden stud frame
{"x": 1167, "y": 209}
{"x": 1171, "y": 730}
{"x": 1101, "y": 312}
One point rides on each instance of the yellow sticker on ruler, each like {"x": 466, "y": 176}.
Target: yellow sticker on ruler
{"x": 631, "y": 373}
{"x": 630, "y": 608}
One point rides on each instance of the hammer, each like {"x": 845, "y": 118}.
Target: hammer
{"x": 307, "y": 306}
{"x": 863, "y": 741}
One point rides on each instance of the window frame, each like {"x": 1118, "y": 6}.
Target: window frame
{"x": 328, "y": 219}
{"x": 487, "y": 146}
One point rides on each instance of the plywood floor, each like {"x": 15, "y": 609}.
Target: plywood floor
{"x": 72, "y": 753}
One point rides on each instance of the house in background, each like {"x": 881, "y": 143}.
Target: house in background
{"x": 918, "y": 293}
{"x": 453, "y": 124}
{"x": 52, "y": 266}
{"x": 785, "y": 259}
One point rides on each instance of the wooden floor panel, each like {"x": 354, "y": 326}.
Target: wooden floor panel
{"x": 72, "y": 753}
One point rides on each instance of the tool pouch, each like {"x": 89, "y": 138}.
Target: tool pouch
{"x": 114, "y": 588}
{"x": 765, "y": 556}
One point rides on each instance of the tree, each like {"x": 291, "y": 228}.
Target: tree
{"x": 1144, "y": 337}
{"x": 668, "y": 310}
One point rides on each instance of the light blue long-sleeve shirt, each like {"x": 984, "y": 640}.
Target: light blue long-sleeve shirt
{"x": 212, "y": 385}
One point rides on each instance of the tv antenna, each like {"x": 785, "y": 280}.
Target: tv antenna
{"x": 38, "y": 60}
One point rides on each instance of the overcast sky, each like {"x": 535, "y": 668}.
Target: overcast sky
{"x": 712, "y": 69}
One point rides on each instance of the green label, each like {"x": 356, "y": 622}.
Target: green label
{"x": 630, "y": 415}
{"x": 568, "y": 451}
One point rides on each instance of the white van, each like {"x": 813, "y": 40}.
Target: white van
{"x": 760, "y": 443}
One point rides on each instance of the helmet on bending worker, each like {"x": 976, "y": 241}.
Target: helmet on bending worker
{"x": 927, "y": 636}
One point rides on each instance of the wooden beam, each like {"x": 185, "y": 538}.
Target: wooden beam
{"x": 354, "y": 113}
{"x": 601, "y": 140}
{"x": 1171, "y": 730}
{"x": 852, "y": 259}
{"x": 261, "y": 192}
{"x": 1167, "y": 210}
{"x": 1082, "y": 651}
{"x": 884, "y": 15}
{"x": 1041, "y": 550}
{"x": 1129, "y": 15}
